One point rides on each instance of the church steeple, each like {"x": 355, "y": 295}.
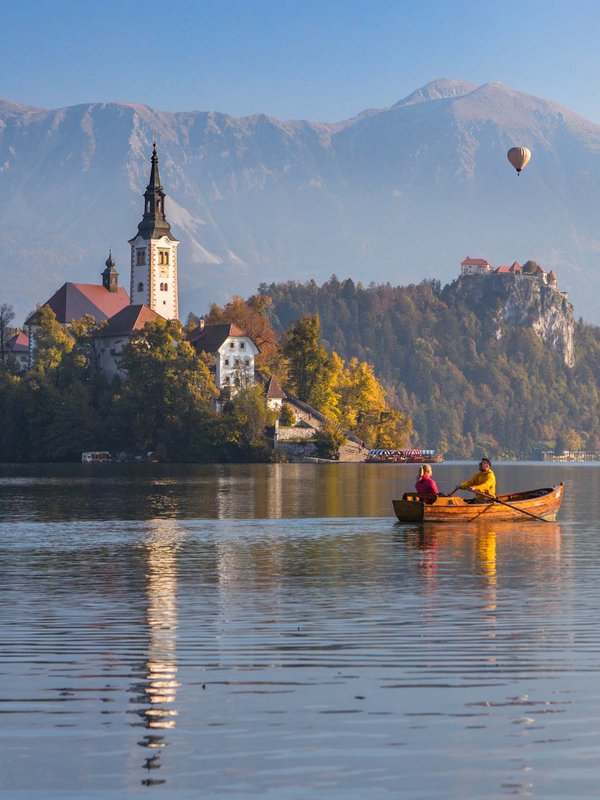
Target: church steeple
{"x": 154, "y": 223}
{"x": 110, "y": 276}
{"x": 154, "y": 253}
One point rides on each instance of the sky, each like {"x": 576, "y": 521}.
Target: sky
{"x": 324, "y": 60}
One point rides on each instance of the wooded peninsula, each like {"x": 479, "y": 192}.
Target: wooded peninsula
{"x": 422, "y": 365}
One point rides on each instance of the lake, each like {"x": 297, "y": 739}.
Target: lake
{"x": 271, "y": 631}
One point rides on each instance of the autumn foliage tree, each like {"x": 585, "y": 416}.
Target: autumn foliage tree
{"x": 348, "y": 394}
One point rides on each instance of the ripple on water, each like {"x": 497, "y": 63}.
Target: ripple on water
{"x": 345, "y": 655}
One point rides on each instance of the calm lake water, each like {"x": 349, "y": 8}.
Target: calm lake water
{"x": 270, "y": 631}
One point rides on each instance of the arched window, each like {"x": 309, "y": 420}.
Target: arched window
{"x": 140, "y": 287}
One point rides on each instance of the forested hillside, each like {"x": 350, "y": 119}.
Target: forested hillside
{"x": 443, "y": 361}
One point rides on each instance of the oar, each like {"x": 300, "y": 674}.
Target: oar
{"x": 508, "y": 505}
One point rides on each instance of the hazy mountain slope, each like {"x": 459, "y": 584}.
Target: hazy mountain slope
{"x": 393, "y": 194}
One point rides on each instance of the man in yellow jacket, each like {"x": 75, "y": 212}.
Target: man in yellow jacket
{"x": 483, "y": 481}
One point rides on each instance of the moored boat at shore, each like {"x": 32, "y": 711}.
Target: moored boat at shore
{"x": 403, "y": 457}
{"x": 534, "y": 504}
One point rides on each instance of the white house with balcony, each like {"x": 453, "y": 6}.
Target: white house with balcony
{"x": 233, "y": 349}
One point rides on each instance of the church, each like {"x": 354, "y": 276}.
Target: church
{"x": 153, "y": 293}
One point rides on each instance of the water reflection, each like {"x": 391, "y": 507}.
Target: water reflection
{"x": 234, "y": 491}
{"x": 276, "y": 656}
{"x": 158, "y": 710}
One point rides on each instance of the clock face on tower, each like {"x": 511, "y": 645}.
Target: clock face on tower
{"x": 164, "y": 272}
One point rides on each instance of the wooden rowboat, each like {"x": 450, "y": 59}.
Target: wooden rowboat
{"x": 534, "y": 504}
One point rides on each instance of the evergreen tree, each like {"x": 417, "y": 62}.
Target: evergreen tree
{"x": 310, "y": 368}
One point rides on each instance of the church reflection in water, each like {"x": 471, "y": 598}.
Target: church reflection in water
{"x": 157, "y": 692}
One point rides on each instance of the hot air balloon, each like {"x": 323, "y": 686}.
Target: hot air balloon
{"x": 519, "y": 157}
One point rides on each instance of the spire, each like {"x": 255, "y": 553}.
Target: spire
{"x": 154, "y": 176}
{"x": 154, "y": 223}
{"x": 110, "y": 276}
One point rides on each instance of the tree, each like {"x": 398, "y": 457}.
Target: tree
{"x": 287, "y": 418}
{"x": 360, "y": 394}
{"x": 249, "y": 419}
{"x": 310, "y": 368}
{"x": 7, "y": 314}
{"x": 166, "y": 398}
{"x": 51, "y": 343}
{"x": 329, "y": 438}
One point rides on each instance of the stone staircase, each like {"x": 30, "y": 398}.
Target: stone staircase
{"x": 350, "y": 451}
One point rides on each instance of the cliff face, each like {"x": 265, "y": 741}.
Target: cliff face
{"x": 514, "y": 301}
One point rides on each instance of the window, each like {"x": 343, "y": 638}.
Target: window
{"x": 242, "y": 345}
{"x": 247, "y": 362}
{"x": 164, "y": 287}
{"x": 140, "y": 287}
{"x": 141, "y": 258}
{"x": 163, "y": 257}
{"x": 227, "y": 380}
{"x": 237, "y": 362}
{"x": 226, "y": 362}
{"x": 231, "y": 345}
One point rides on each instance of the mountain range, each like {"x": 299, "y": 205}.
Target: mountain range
{"x": 395, "y": 195}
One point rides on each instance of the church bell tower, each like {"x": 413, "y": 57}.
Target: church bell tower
{"x": 154, "y": 253}
{"x": 110, "y": 276}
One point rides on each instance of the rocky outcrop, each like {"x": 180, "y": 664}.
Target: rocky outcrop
{"x": 521, "y": 301}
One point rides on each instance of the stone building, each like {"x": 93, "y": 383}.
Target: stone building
{"x": 110, "y": 339}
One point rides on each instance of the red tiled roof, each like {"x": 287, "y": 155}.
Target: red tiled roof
{"x": 480, "y": 262}
{"x": 129, "y": 319}
{"x": 516, "y": 267}
{"x": 504, "y": 270}
{"x": 19, "y": 343}
{"x": 73, "y": 300}
{"x": 211, "y": 337}
{"x": 274, "y": 390}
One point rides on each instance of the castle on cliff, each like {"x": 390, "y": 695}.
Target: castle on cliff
{"x": 480, "y": 266}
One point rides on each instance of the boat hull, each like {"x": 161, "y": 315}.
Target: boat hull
{"x": 537, "y": 503}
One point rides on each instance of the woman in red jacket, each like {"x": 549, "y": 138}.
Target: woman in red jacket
{"x": 425, "y": 483}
